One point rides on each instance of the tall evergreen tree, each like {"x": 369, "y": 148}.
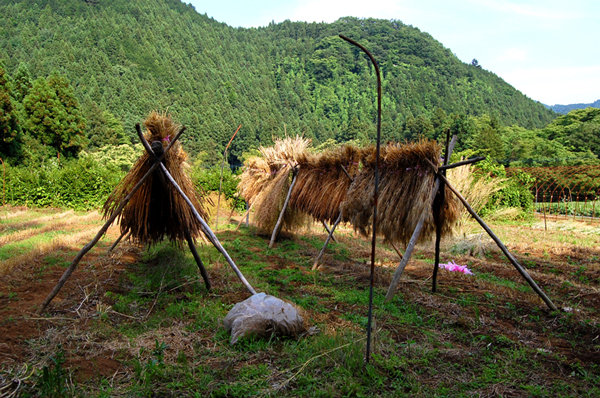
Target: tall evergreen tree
{"x": 52, "y": 115}
{"x": 8, "y": 118}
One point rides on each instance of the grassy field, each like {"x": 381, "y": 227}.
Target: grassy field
{"x": 139, "y": 322}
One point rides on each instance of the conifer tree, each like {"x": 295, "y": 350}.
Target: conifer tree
{"x": 52, "y": 115}
{"x": 8, "y": 118}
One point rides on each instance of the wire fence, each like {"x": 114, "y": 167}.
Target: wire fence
{"x": 565, "y": 191}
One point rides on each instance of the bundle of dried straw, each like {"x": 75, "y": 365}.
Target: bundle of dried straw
{"x": 322, "y": 184}
{"x": 405, "y": 192}
{"x": 265, "y": 182}
{"x": 157, "y": 210}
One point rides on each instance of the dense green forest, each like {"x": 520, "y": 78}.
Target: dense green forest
{"x": 564, "y": 109}
{"x": 97, "y": 67}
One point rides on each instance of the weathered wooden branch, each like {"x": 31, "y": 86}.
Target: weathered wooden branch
{"x": 104, "y": 228}
{"x": 112, "y": 247}
{"x": 287, "y": 199}
{"x": 192, "y": 246}
{"x": 397, "y": 250}
{"x": 209, "y": 232}
{"x": 409, "y": 249}
{"x": 245, "y": 215}
{"x": 347, "y": 174}
{"x": 461, "y": 163}
{"x": 329, "y": 231}
{"x": 333, "y": 227}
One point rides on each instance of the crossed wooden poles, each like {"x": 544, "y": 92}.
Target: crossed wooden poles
{"x": 157, "y": 154}
{"x": 440, "y": 184}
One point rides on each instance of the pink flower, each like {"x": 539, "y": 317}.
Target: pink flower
{"x": 453, "y": 267}
{"x": 167, "y": 139}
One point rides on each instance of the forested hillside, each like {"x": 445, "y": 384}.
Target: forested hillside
{"x": 121, "y": 59}
{"x": 564, "y": 109}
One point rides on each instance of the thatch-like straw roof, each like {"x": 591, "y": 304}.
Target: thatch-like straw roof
{"x": 157, "y": 211}
{"x": 322, "y": 185}
{"x": 405, "y": 192}
{"x": 265, "y": 182}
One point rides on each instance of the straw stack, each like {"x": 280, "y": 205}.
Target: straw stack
{"x": 157, "y": 211}
{"x": 405, "y": 192}
{"x": 322, "y": 185}
{"x": 266, "y": 180}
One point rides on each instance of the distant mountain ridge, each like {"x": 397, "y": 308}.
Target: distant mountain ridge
{"x": 564, "y": 109}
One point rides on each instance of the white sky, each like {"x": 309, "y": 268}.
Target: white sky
{"x": 547, "y": 49}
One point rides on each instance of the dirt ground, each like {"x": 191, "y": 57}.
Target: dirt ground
{"x": 569, "y": 273}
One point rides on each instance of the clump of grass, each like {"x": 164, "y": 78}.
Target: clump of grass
{"x": 477, "y": 190}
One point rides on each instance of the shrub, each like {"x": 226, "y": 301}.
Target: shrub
{"x": 80, "y": 184}
{"x": 208, "y": 179}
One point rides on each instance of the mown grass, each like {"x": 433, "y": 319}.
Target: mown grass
{"x": 166, "y": 330}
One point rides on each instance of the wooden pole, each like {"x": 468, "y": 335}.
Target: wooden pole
{"x": 396, "y": 249}
{"x": 461, "y": 163}
{"x": 104, "y": 228}
{"x": 112, "y": 247}
{"x": 335, "y": 224}
{"x": 409, "y": 249}
{"x": 329, "y": 231}
{"x": 221, "y": 180}
{"x": 508, "y": 255}
{"x": 192, "y": 246}
{"x": 244, "y": 216}
{"x": 438, "y": 210}
{"x": 213, "y": 238}
{"x": 287, "y": 199}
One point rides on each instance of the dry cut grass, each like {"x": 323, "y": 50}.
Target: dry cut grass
{"x": 406, "y": 192}
{"x": 266, "y": 181}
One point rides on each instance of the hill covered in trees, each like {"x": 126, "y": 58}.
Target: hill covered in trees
{"x": 564, "y": 109}
{"x": 80, "y": 74}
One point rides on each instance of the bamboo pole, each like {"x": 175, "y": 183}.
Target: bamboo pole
{"x": 508, "y": 255}
{"x": 281, "y": 214}
{"x": 104, "y": 228}
{"x": 221, "y": 180}
{"x": 335, "y": 224}
{"x": 192, "y": 246}
{"x": 208, "y": 231}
